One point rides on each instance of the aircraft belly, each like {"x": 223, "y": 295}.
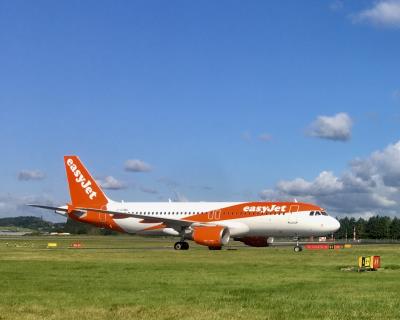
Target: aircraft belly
{"x": 133, "y": 225}
{"x": 278, "y": 225}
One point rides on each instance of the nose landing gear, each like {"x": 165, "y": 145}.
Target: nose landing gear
{"x": 298, "y": 247}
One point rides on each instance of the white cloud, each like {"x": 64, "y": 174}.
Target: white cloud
{"x": 168, "y": 182}
{"x": 336, "y": 5}
{"x": 246, "y": 136}
{"x": 179, "y": 197}
{"x": 337, "y": 127}
{"x": 148, "y": 190}
{"x": 13, "y": 206}
{"x": 265, "y": 137}
{"x": 26, "y": 175}
{"x": 369, "y": 185}
{"x": 111, "y": 183}
{"x": 137, "y": 165}
{"x": 384, "y": 13}
{"x": 325, "y": 183}
{"x": 385, "y": 164}
{"x": 273, "y": 195}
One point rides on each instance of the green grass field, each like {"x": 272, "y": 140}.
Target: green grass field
{"x": 119, "y": 277}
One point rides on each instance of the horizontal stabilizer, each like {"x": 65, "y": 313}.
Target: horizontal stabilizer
{"x": 48, "y": 207}
{"x": 57, "y": 209}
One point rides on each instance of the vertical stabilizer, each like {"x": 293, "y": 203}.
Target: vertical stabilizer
{"x": 84, "y": 190}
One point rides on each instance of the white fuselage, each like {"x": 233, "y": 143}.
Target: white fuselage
{"x": 298, "y": 223}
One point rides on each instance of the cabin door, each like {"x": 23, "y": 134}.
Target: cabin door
{"x": 293, "y": 216}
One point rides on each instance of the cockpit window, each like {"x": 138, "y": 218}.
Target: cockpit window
{"x": 318, "y": 213}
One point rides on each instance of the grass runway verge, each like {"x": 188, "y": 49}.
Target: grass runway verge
{"x": 119, "y": 277}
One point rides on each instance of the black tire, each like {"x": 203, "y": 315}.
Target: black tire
{"x": 185, "y": 246}
{"x": 214, "y": 248}
{"x": 178, "y": 245}
{"x": 297, "y": 249}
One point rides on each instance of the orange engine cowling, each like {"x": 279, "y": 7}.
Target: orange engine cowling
{"x": 213, "y": 236}
{"x": 255, "y": 241}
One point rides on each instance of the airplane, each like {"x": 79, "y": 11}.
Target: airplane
{"x": 211, "y": 224}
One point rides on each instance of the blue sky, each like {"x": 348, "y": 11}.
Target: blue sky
{"x": 223, "y": 99}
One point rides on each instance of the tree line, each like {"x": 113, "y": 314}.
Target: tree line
{"x": 376, "y": 227}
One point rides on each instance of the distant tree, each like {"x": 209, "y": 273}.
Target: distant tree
{"x": 378, "y": 227}
{"x": 76, "y": 227}
{"x": 341, "y": 233}
{"x": 346, "y": 228}
{"x": 360, "y": 228}
{"x": 371, "y": 228}
{"x": 394, "y": 229}
{"x": 33, "y": 223}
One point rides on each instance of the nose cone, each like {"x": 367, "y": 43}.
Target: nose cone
{"x": 334, "y": 225}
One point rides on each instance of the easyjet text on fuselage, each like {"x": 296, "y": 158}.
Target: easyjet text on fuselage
{"x": 264, "y": 209}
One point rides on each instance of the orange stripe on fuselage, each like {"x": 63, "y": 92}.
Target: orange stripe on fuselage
{"x": 106, "y": 221}
{"x": 252, "y": 209}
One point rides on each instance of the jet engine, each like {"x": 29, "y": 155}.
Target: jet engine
{"x": 212, "y": 236}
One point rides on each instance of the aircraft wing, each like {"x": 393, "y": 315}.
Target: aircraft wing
{"x": 148, "y": 219}
{"x": 173, "y": 223}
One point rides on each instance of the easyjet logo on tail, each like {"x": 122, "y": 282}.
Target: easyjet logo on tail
{"x": 84, "y": 183}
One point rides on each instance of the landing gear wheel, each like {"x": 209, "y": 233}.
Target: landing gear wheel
{"x": 298, "y": 248}
{"x": 178, "y": 246}
{"x": 185, "y": 245}
{"x": 214, "y": 248}
{"x": 181, "y": 245}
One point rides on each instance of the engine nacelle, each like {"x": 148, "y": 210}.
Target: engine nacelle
{"x": 256, "y": 241}
{"x": 213, "y": 236}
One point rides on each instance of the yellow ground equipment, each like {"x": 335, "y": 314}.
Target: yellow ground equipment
{"x": 369, "y": 263}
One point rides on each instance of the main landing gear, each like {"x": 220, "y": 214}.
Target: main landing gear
{"x": 298, "y": 247}
{"x": 181, "y": 245}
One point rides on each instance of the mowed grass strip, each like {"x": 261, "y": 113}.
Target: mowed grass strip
{"x": 117, "y": 278}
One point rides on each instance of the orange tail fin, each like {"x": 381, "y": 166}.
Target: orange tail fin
{"x": 84, "y": 190}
